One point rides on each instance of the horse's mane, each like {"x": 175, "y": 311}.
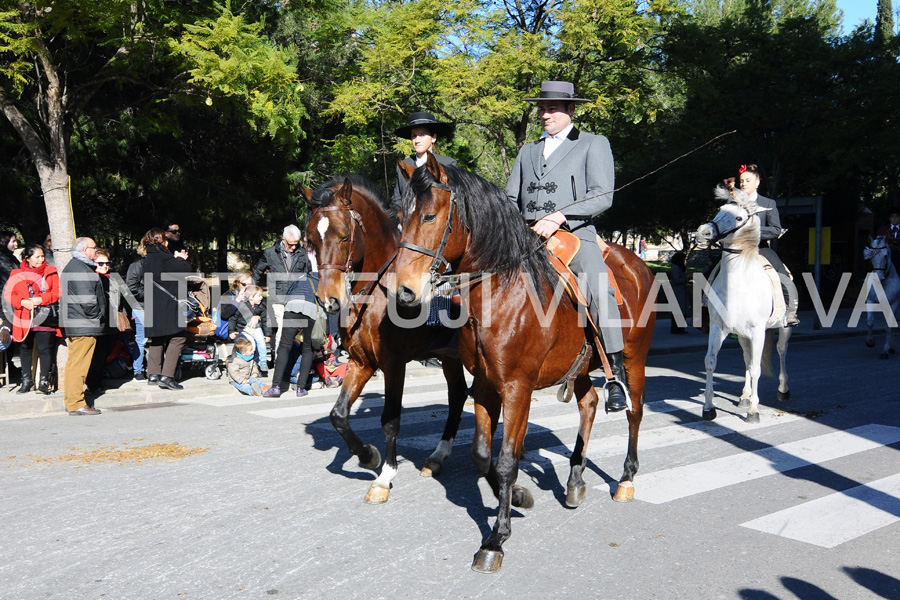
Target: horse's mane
{"x": 324, "y": 194}
{"x": 500, "y": 240}
{"x": 745, "y": 239}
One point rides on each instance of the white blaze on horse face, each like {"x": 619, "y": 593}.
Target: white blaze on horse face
{"x": 322, "y": 227}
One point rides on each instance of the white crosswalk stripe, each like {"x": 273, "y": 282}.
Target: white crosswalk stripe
{"x": 838, "y": 517}
{"x": 680, "y": 482}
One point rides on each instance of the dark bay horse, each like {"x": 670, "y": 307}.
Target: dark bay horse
{"x": 355, "y": 238}
{"x": 522, "y": 332}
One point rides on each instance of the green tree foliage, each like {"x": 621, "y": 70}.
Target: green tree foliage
{"x": 58, "y": 57}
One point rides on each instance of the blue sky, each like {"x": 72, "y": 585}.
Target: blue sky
{"x": 857, "y": 10}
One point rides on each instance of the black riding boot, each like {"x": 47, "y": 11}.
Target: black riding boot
{"x": 615, "y": 395}
{"x": 27, "y": 382}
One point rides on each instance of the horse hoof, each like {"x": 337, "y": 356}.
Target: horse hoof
{"x": 709, "y": 415}
{"x": 575, "y": 495}
{"x": 753, "y": 417}
{"x": 870, "y": 343}
{"x": 744, "y": 403}
{"x": 884, "y": 355}
{"x": 488, "y": 561}
{"x": 377, "y": 494}
{"x": 784, "y": 396}
{"x": 522, "y": 498}
{"x": 624, "y": 492}
{"x": 432, "y": 468}
{"x": 374, "y": 461}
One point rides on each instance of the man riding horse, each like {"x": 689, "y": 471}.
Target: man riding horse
{"x": 566, "y": 179}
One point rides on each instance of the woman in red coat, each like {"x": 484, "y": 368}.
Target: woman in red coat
{"x": 32, "y": 285}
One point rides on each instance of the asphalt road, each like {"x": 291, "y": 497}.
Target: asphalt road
{"x": 220, "y": 496}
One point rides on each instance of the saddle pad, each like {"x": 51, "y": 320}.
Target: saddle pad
{"x": 778, "y": 305}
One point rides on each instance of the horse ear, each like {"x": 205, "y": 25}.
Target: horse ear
{"x": 347, "y": 191}
{"x": 870, "y": 240}
{"x": 406, "y": 169}
{"x": 436, "y": 170}
{"x": 307, "y": 194}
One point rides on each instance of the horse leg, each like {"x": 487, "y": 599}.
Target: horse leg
{"x": 576, "y": 490}
{"x": 635, "y": 366}
{"x": 870, "y": 325}
{"x": 457, "y": 393}
{"x": 716, "y": 337}
{"x": 747, "y": 391}
{"x": 357, "y": 376}
{"x": 756, "y": 341}
{"x": 784, "y": 393}
{"x": 515, "y": 423}
{"x": 390, "y": 425}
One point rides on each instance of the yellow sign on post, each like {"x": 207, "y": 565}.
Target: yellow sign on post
{"x": 826, "y": 246}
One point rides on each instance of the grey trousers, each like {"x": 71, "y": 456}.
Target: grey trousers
{"x": 593, "y": 282}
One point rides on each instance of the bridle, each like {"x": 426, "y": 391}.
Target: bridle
{"x": 356, "y": 224}
{"x": 720, "y": 235}
{"x": 437, "y": 276}
{"x": 869, "y": 253}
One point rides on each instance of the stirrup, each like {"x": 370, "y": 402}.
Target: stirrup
{"x": 620, "y": 383}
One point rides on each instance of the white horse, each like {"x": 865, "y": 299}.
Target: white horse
{"x": 884, "y": 271}
{"x": 741, "y": 301}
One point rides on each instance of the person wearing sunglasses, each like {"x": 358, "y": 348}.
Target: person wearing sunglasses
{"x": 285, "y": 262}
{"x": 107, "y": 341}
{"x": 173, "y": 237}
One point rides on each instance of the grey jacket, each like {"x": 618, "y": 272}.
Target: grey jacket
{"x": 769, "y": 221}
{"x": 82, "y": 302}
{"x": 239, "y": 369}
{"x": 576, "y": 179}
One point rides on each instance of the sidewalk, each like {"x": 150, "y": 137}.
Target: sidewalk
{"x": 125, "y": 394}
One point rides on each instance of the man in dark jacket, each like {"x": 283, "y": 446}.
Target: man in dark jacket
{"x": 285, "y": 262}
{"x": 83, "y": 317}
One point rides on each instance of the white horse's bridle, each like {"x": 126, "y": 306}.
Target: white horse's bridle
{"x": 719, "y": 235}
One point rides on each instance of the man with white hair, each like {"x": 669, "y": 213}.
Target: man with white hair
{"x": 284, "y": 262}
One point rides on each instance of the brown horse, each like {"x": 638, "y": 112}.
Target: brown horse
{"x": 522, "y": 333}
{"x": 355, "y": 239}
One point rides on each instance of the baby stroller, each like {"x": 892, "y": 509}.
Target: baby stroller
{"x": 200, "y": 350}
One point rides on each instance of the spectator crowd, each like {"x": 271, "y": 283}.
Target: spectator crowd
{"x": 146, "y": 326}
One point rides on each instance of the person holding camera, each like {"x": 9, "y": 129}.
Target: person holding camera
{"x": 164, "y": 325}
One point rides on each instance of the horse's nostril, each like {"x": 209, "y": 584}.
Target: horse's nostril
{"x": 406, "y": 296}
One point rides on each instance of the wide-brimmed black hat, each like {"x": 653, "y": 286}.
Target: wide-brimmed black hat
{"x": 558, "y": 90}
{"x": 427, "y": 120}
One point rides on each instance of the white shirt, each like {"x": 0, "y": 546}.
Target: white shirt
{"x": 552, "y": 142}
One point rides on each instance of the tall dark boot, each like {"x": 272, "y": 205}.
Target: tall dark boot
{"x": 27, "y": 383}
{"x": 615, "y": 394}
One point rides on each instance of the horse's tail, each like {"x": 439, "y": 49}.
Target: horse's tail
{"x": 765, "y": 363}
